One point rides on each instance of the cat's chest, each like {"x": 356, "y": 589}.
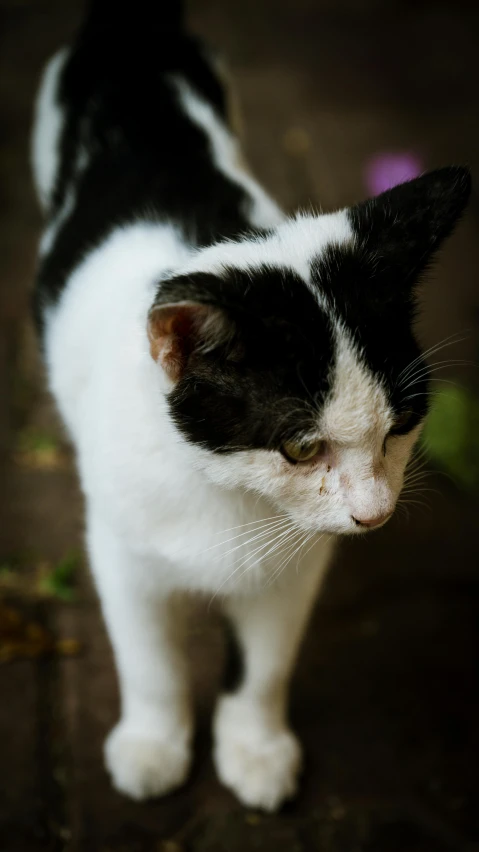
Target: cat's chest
{"x": 209, "y": 540}
{"x": 189, "y": 533}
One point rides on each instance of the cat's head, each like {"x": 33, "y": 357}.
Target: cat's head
{"x": 292, "y": 364}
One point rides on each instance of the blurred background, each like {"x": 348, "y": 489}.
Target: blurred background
{"x": 338, "y": 98}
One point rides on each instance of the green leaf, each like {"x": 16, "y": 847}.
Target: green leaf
{"x": 451, "y": 435}
{"x": 59, "y": 581}
{"x": 32, "y": 440}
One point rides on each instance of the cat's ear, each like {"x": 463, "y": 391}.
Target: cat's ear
{"x": 404, "y": 226}
{"x": 177, "y": 330}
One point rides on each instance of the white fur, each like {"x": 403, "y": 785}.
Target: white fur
{"x": 47, "y": 131}
{"x": 226, "y": 152}
{"x": 256, "y": 754}
{"x": 294, "y": 243}
{"x": 164, "y": 516}
{"x": 50, "y": 233}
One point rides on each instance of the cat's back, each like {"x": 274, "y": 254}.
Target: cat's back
{"x": 124, "y": 131}
{"x": 110, "y": 103}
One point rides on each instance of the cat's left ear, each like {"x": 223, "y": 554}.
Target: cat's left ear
{"x": 404, "y": 226}
{"x": 176, "y": 331}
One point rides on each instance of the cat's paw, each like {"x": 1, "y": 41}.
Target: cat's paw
{"x": 142, "y": 765}
{"x": 261, "y": 768}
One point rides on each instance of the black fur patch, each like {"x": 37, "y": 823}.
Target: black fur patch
{"x": 264, "y": 385}
{"x": 381, "y": 326}
{"x": 147, "y": 160}
{"x": 234, "y": 665}
{"x": 371, "y": 283}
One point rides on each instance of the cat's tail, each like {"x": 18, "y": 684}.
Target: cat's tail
{"x": 127, "y": 20}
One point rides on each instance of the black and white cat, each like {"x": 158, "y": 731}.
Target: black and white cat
{"x": 241, "y": 387}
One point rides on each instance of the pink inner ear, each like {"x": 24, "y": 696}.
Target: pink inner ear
{"x": 173, "y": 332}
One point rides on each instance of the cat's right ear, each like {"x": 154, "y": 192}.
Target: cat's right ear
{"x": 403, "y": 228}
{"x": 176, "y": 331}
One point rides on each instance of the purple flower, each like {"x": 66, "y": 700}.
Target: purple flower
{"x": 386, "y": 170}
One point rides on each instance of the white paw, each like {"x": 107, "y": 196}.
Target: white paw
{"x": 144, "y": 765}
{"x": 260, "y": 767}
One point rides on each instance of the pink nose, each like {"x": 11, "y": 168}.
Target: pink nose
{"x": 370, "y": 523}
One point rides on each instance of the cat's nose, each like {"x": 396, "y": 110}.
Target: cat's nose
{"x": 371, "y": 522}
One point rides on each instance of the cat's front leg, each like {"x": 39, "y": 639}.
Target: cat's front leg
{"x": 256, "y": 754}
{"x": 148, "y": 752}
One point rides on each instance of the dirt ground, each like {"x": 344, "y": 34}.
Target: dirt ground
{"x": 386, "y": 693}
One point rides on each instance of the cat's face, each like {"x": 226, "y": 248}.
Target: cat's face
{"x": 292, "y": 362}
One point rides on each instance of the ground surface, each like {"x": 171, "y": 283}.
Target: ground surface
{"x": 386, "y": 694}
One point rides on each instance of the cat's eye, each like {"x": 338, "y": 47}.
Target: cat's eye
{"x": 400, "y": 426}
{"x": 301, "y": 452}
{"x": 401, "y": 422}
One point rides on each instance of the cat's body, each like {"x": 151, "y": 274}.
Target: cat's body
{"x": 194, "y": 340}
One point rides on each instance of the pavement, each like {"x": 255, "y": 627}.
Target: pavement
{"x": 386, "y": 693}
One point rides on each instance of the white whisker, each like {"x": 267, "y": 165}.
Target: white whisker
{"x": 277, "y": 539}
{"x": 289, "y": 549}
{"x": 259, "y": 534}
{"x": 427, "y": 371}
{"x": 250, "y": 523}
{"x": 443, "y": 344}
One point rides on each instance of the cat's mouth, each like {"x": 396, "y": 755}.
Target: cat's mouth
{"x": 371, "y": 523}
